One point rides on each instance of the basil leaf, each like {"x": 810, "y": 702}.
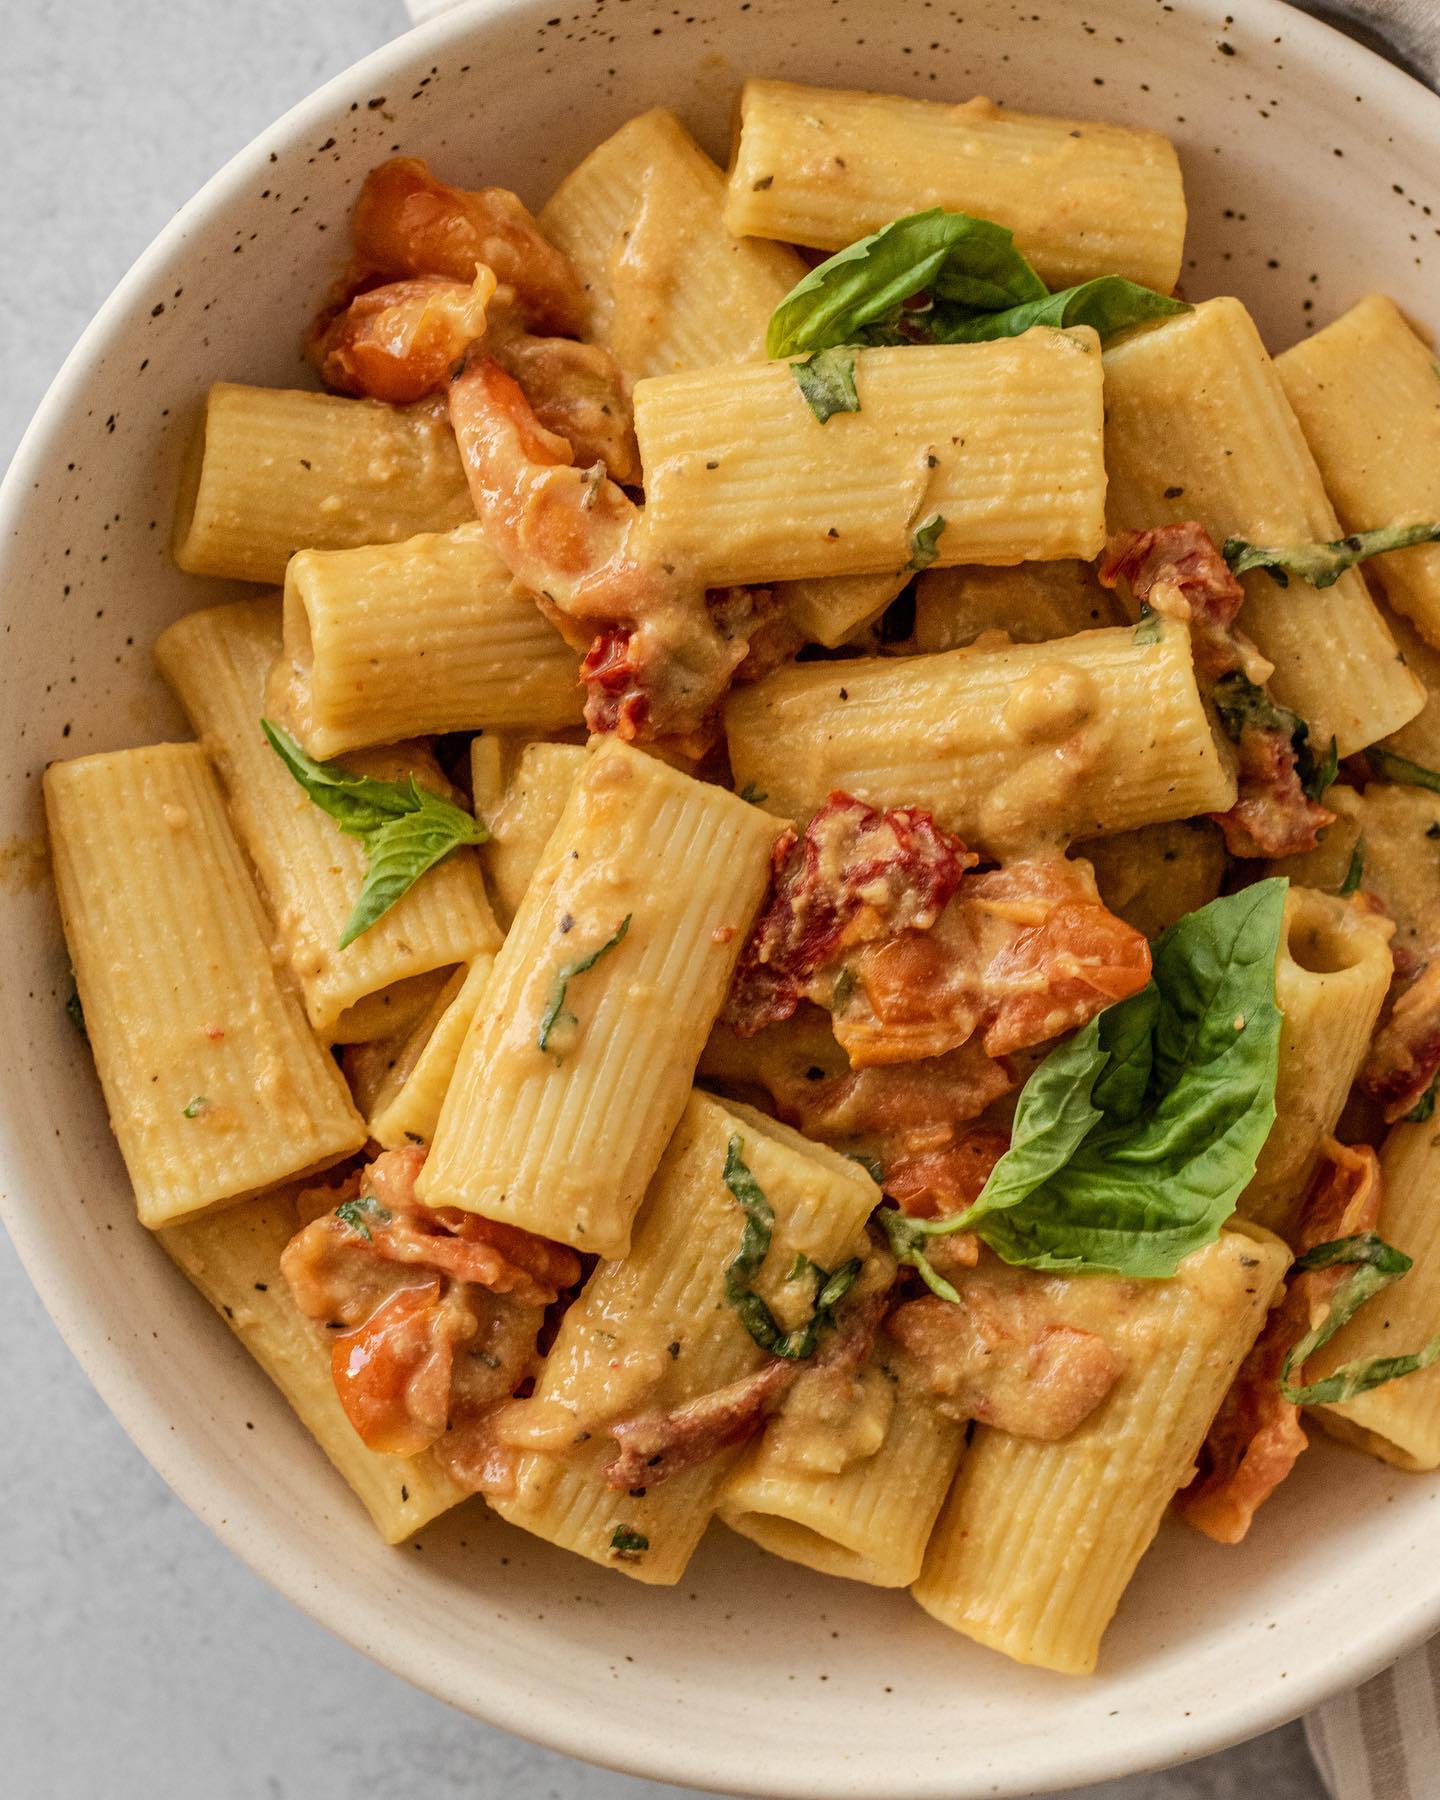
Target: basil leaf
{"x": 1317, "y": 776}
{"x": 554, "y": 1013}
{"x": 358, "y": 1212}
{"x": 75, "y": 1013}
{"x": 1149, "y": 627}
{"x": 827, "y": 380}
{"x": 1377, "y": 1265}
{"x": 629, "y": 1544}
{"x": 965, "y": 260}
{"x": 755, "y": 1315}
{"x": 1323, "y": 564}
{"x": 1123, "y": 1166}
{"x": 406, "y": 829}
{"x": 1240, "y": 703}
{"x": 1110, "y": 303}
{"x": 925, "y": 542}
{"x": 1424, "y": 1107}
{"x": 1400, "y": 768}
{"x": 1355, "y": 873}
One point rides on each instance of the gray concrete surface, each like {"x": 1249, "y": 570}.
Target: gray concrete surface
{"x": 138, "y": 1659}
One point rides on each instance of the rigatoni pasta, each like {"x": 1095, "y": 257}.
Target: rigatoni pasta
{"x": 563, "y": 1100}
{"x": 218, "y": 661}
{"x": 825, "y": 166}
{"x": 215, "y": 1084}
{"x": 992, "y": 741}
{"x": 999, "y": 441}
{"x": 274, "y": 470}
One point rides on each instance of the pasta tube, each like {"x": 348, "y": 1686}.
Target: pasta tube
{"x": 871, "y": 1519}
{"x": 215, "y": 1085}
{"x": 409, "y": 640}
{"x": 274, "y": 470}
{"x": 1331, "y": 978}
{"x": 1001, "y": 441}
{"x": 233, "y": 1258}
{"x": 1197, "y": 426}
{"x": 400, "y": 1084}
{"x": 1364, "y": 391}
{"x": 668, "y": 286}
{"x": 1009, "y": 748}
{"x": 653, "y": 1331}
{"x": 1038, "y": 1540}
{"x": 520, "y": 826}
{"x": 1400, "y": 1421}
{"x": 577, "y": 1068}
{"x": 311, "y": 872}
{"x": 823, "y": 166}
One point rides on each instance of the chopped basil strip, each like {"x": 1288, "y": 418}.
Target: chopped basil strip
{"x": 1240, "y": 703}
{"x": 355, "y": 1213}
{"x": 1150, "y": 627}
{"x": 1355, "y": 873}
{"x": 859, "y": 295}
{"x": 925, "y": 541}
{"x": 754, "y": 793}
{"x": 1109, "y": 303}
{"x": 196, "y": 1106}
{"x": 75, "y": 1013}
{"x": 1134, "y": 1139}
{"x": 555, "y": 1013}
{"x": 1424, "y": 1107}
{"x": 1323, "y": 564}
{"x": 755, "y": 1315}
{"x": 827, "y": 380}
{"x": 1400, "y": 768}
{"x": 907, "y": 1239}
{"x": 628, "y": 1543}
{"x": 1376, "y": 1265}
{"x": 870, "y": 1164}
{"x": 406, "y": 829}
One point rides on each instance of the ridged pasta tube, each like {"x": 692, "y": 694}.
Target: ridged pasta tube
{"x": 824, "y": 166}
{"x": 413, "y": 639}
{"x": 1001, "y": 440}
{"x": 215, "y": 1084}
{"x": 274, "y": 470}
{"x": 1038, "y": 1541}
{"x": 1197, "y": 426}
{"x": 1013, "y": 749}
{"x": 310, "y": 871}
{"x": 653, "y": 1331}
{"x": 579, "y": 1064}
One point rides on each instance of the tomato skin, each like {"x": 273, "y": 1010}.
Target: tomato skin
{"x": 383, "y": 1367}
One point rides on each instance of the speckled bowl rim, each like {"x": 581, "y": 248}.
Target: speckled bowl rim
{"x": 557, "y": 1724}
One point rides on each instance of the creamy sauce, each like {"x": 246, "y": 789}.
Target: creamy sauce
{"x": 1056, "y": 715}
{"x": 831, "y": 1420}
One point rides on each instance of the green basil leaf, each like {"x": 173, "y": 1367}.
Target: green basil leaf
{"x": 1376, "y": 1265}
{"x": 1109, "y": 303}
{"x": 1424, "y": 1107}
{"x": 358, "y": 1213}
{"x": 1355, "y": 873}
{"x": 75, "y": 1012}
{"x": 925, "y": 541}
{"x": 827, "y": 380}
{"x": 1101, "y": 1179}
{"x": 554, "y": 1013}
{"x": 1321, "y": 565}
{"x": 969, "y": 261}
{"x": 406, "y": 829}
{"x": 754, "y": 1314}
{"x": 402, "y": 850}
{"x": 1400, "y": 768}
{"x": 628, "y": 1544}
{"x": 1316, "y": 776}
{"x": 1149, "y": 627}
{"x": 1240, "y": 703}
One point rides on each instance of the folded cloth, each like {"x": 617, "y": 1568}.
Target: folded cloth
{"x": 1381, "y": 1742}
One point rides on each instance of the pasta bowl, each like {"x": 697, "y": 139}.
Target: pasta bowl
{"x": 1309, "y": 168}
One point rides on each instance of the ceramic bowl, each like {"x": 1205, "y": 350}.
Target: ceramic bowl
{"x": 1310, "y": 167}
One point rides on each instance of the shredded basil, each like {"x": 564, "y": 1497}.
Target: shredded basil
{"x": 827, "y": 380}
{"x": 1355, "y": 873}
{"x": 907, "y": 1238}
{"x": 554, "y": 1013}
{"x": 1150, "y": 627}
{"x": 195, "y": 1107}
{"x": 1321, "y": 565}
{"x": 1319, "y": 775}
{"x": 1109, "y": 303}
{"x": 406, "y": 829}
{"x": 1400, "y": 768}
{"x": 870, "y": 1164}
{"x": 1424, "y": 1107}
{"x": 629, "y": 1544}
{"x": 1239, "y": 702}
{"x": 75, "y": 1013}
{"x": 355, "y": 1213}
{"x": 1376, "y": 1265}
{"x": 755, "y": 1315}
{"x": 754, "y": 793}
{"x": 925, "y": 541}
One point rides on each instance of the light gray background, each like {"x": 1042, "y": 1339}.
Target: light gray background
{"x": 138, "y": 1659}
